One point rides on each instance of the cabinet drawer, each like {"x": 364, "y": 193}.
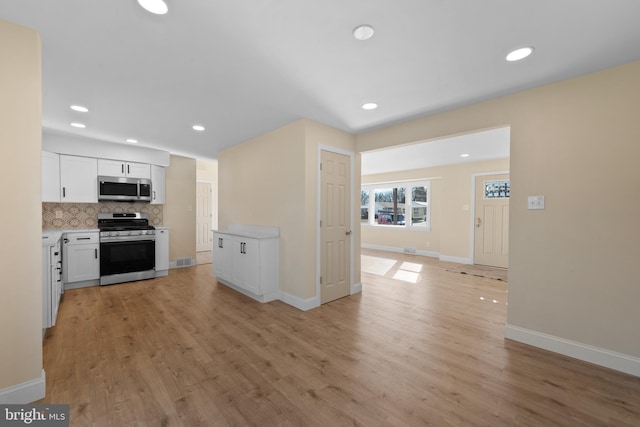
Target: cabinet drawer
{"x": 82, "y": 238}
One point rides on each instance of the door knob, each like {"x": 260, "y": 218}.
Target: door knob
{"x": 348, "y": 232}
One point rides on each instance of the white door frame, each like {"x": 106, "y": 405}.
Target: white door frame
{"x": 351, "y": 156}
{"x": 472, "y": 248}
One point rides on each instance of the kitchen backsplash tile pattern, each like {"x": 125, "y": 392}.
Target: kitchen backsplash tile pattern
{"x": 85, "y": 215}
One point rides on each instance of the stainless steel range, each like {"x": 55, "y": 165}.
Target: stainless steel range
{"x": 127, "y": 247}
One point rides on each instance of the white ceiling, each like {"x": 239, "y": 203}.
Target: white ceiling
{"x": 244, "y": 67}
{"x": 484, "y": 145}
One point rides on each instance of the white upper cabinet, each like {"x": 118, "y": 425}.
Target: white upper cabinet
{"x": 120, "y": 168}
{"x": 157, "y": 185}
{"x": 78, "y": 179}
{"x": 50, "y": 177}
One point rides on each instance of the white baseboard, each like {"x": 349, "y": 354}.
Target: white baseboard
{"x": 356, "y": 288}
{"x": 456, "y": 259}
{"x": 299, "y": 303}
{"x": 598, "y": 356}
{"x": 27, "y": 392}
{"x": 399, "y": 250}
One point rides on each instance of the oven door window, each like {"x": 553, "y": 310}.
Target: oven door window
{"x": 127, "y": 257}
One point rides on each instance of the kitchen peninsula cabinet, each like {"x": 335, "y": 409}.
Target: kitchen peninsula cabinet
{"x": 246, "y": 258}
{"x": 78, "y": 179}
{"x": 51, "y": 278}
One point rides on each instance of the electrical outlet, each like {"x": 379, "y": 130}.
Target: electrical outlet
{"x": 535, "y": 202}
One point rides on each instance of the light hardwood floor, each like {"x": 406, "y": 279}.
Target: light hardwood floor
{"x": 183, "y": 350}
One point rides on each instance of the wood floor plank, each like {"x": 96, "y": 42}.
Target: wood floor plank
{"x": 419, "y": 346}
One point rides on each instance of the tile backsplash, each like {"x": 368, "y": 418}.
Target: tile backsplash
{"x": 85, "y": 215}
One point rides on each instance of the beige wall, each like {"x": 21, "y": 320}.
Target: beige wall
{"x": 207, "y": 170}
{"x": 573, "y": 266}
{"x": 271, "y": 180}
{"x": 21, "y": 253}
{"x": 451, "y": 188}
{"x": 180, "y": 209}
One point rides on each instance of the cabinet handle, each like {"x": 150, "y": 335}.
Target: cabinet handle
{"x": 64, "y": 192}
{"x": 122, "y": 167}
{"x": 96, "y": 253}
{"x": 154, "y": 194}
{"x": 128, "y": 170}
{"x": 83, "y": 238}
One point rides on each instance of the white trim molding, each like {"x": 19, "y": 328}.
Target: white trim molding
{"x": 457, "y": 259}
{"x": 299, "y": 303}
{"x": 356, "y": 288}
{"x": 399, "y": 250}
{"x": 24, "y": 393}
{"x": 596, "y": 355}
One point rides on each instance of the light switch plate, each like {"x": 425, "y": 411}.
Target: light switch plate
{"x": 535, "y": 202}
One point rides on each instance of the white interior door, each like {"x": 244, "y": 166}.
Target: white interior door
{"x": 491, "y": 240}
{"x": 203, "y": 216}
{"x": 335, "y": 227}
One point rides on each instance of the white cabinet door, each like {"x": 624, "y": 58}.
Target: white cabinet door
{"x": 50, "y": 177}
{"x": 111, "y": 167}
{"x": 81, "y": 258}
{"x": 157, "y": 185}
{"x": 82, "y": 263}
{"x": 78, "y": 179}
{"x": 138, "y": 170}
{"x": 245, "y": 264}
{"x": 162, "y": 249}
{"x": 222, "y": 256}
{"x": 108, "y": 167}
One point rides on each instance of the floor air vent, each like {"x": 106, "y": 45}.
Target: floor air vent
{"x": 183, "y": 262}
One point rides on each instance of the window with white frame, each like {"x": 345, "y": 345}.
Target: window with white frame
{"x": 396, "y": 204}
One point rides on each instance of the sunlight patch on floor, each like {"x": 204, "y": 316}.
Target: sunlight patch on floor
{"x": 406, "y": 276}
{"x": 411, "y": 266}
{"x": 376, "y": 265}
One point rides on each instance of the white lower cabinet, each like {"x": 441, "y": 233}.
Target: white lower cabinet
{"x": 245, "y": 258}
{"x": 222, "y": 252}
{"x": 81, "y": 259}
{"x": 162, "y": 251}
{"x": 51, "y": 279}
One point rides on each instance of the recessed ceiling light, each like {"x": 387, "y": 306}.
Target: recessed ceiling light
{"x": 520, "y": 53}
{"x": 157, "y": 7}
{"x": 132, "y": 141}
{"x": 363, "y": 32}
{"x": 80, "y": 108}
{"x": 369, "y": 106}
{"x": 78, "y": 125}
{"x": 199, "y": 128}
{"x": 464, "y": 155}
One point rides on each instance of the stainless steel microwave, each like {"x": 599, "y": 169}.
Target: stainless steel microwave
{"x": 123, "y": 189}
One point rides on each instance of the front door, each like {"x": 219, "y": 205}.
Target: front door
{"x": 203, "y": 216}
{"x": 491, "y": 241}
{"x": 335, "y": 226}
